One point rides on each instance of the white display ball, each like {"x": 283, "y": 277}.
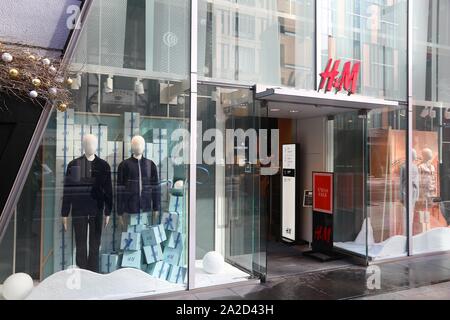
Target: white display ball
{"x": 17, "y": 286}
{"x": 7, "y": 57}
{"x": 33, "y": 94}
{"x": 52, "y": 70}
{"x": 213, "y": 262}
{"x": 53, "y": 91}
{"x": 46, "y": 62}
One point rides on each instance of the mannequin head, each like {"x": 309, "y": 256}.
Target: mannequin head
{"x": 90, "y": 144}
{"x": 137, "y": 145}
{"x": 427, "y": 154}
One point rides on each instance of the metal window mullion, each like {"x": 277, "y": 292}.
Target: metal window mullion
{"x": 193, "y": 147}
{"x": 409, "y": 114}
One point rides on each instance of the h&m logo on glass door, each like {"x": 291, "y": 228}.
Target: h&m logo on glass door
{"x": 348, "y": 79}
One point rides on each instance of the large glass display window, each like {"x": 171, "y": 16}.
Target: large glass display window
{"x": 103, "y": 214}
{"x": 371, "y": 176}
{"x": 430, "y": 127}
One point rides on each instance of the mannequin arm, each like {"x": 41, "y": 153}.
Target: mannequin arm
{"x": 106, "y": 221}
{"x": 65, "y": 221}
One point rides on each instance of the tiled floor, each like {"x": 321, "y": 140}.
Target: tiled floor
{"x": 412, "y": 279}
{"x": 285, "y": 260}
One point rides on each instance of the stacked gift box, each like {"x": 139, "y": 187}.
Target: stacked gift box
{"x": 158, "y": 249}
{"x": 63, "y": 245}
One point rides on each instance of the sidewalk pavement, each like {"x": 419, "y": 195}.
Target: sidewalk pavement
{"x": 425, "y": 277}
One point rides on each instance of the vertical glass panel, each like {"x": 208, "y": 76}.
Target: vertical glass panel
{"x": 370, "y": 166}
{"x": 370, "y": 32}
{"x": 108, "y": 189}
{"x": 431, "y": 136}
{"x": 257, "y": 41}
{"x": 228, "y": 215}
{"x": 429, "y": 172}
{"x": 349, "y": 170}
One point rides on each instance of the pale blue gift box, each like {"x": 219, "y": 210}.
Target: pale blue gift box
{"x": 170, "y": 221}
{"x": 137, "y": 228}
{"x": 154, "y": 235}
{"x": 153, "y": 253}
{"x": 132, "y": 259}
{"x": 172, "y": 255}
{"x": 176, "y": 203}
{"x": 177, "y": 274}
{"x": 130, "y": 241}
{"x": 175, "y": 240}
{"x": 160, "y": 270}
{"x": 109, "y": 262}
{"x": 138, "y": 218}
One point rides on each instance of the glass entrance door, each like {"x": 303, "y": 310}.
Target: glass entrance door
{"x": 228, "y": 198}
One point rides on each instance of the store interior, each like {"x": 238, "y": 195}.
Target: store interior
{"x": 305, "y": 126}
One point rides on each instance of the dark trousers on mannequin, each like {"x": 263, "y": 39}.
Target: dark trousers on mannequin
{"x": 88, "y": 258}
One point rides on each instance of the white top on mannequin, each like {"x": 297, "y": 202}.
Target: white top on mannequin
{"x": 137, "y": 147}
{"x": 90, "y": 144}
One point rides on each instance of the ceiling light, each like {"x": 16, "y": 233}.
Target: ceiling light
{"x": 139, "y": 87}
{"x": 293, "y": 111}
{"x": 447, "y": 114}
{"x": 274, "y": 110}
{"x": 432, "y": 113}
{"x": 109, "y": 84}
{"x": 76, "y": 84}
{"x": 425, "y": 112}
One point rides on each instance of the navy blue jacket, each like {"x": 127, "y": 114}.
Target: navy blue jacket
{"x": 87, "y": 188}
{"x": 128, "y": 198}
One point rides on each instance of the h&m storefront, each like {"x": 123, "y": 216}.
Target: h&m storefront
{"x": 191, "y": 78}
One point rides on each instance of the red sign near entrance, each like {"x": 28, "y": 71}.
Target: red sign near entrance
{"x": 323, "y": 192}
{"x": 347, "y": 80}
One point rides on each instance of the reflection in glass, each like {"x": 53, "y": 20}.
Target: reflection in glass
{"x": 265, "y": 42}
{"x": 370, "y": 158}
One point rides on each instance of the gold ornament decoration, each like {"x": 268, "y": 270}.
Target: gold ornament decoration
{"x": 13, "y": 73}
{"x": 27, "y": 74}
{"x": 36, "y": 82}
{"x": 69, "y": 81}
{"x": 61, "y": 107}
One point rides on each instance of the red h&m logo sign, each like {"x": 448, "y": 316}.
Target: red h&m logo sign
{"x": 347, "y": 80}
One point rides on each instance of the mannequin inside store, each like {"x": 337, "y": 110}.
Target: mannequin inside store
{"x": 310, "y": 129}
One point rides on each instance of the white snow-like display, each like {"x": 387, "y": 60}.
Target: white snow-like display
{"x": 437, "y": 239}
{"x": 79, "y": 284}
{"x": 76, "y": 284}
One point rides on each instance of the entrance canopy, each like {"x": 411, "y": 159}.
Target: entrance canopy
{"x": 330, "y": 99}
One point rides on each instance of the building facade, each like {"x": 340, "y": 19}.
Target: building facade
{"x": 186, "y": 76}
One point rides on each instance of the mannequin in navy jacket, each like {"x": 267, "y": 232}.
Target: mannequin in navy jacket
{"x": 138, "y": 188}
{"x": 87, "y": 197}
